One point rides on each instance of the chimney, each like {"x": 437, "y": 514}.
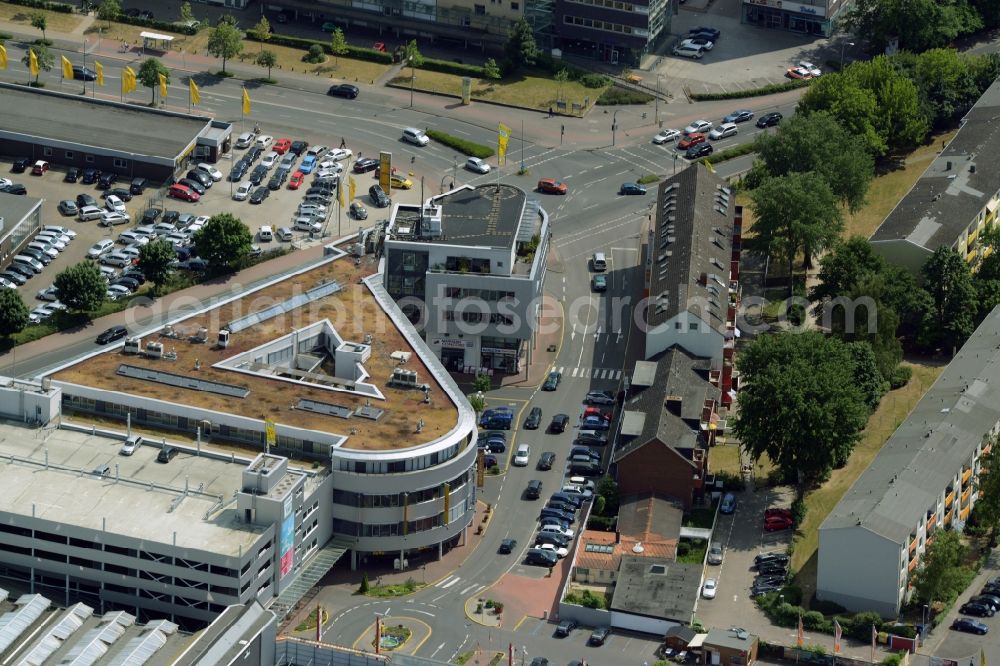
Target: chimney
{"x": 673, "y": 404}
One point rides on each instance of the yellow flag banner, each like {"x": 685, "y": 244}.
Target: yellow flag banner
{"x": 67, "y": 68}
{"x": 195, "y": 95}
{"x": 128, "y": 80}
{"x": 353, "y": 186}
{"x": 246, "y": 102}
{"x": 100, "y": 73}
{"x": 3, "y": 57}
{"x": 163, "y": 84}
{"x": 708, "y": 165}
{"x": 32, "y": 62}
{"x": 502, "y": 136}
{"x": 340, "y": 195}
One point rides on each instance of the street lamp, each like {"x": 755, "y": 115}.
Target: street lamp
{"x": 614, "y": 127}
{"x": 413, "y": 77}
{"x": 657, "y": 100}
{"x": 842, "y": 47}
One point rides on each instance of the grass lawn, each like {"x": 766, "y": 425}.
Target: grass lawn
{"x": 895, "y": 406}
{"x": 888, "y": 188}
{"x": 525, "y": 91}
{"x": 55, "y": 21}
{"x": 696, "y": 552}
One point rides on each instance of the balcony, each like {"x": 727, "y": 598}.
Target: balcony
{"x": 949, "y": 498}
{"x": 965, "y": 496}
{"x": 966, "y": 475}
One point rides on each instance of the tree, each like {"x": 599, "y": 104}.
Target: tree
{"x": 154, "y": 261}
{"x": 262, "y": 31}
{"x": 901, "y": 120}
{"x": 42, "y": 54}
{"x": 13, "y": 312}
{"x": 952, "y": 317}
{"x": 225, "y": 42}
{"x": 987, "y": 508}
{"x": 854, "y": 108}
{"x": 521, "y": 48}
{"x": 800, "y": 404}
{"x": 267, "y": 59}
{"x": 109, "y": 11}
{"x": 413, "y": 57}
{"x": 987, "y": 296}
{"x": 942, "y": 573}
{"x": 338, "y": 45}
{"x": 187, "y": 16}
{"x": 869, "y": 297}
{"x": 223, "y": 241}
{"x": 867, "y": 377}
{"x": 491, "y": 70}
{"x": 41, "y": 21}
{"x": 561, "y": 77}
{"x": 917, "y": 24}
{"x": 477, "y": 402}
{"x": 149, "y": 76}
{"x": 796, "y": 212}
{"x": 818, "y": 143}
{"x": 844, "y": 266}
{"x": 81, "y": 286}
{"x": 945, "y": 82}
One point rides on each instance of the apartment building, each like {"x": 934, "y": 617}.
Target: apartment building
{"x": 619, "y": 32}
{"x": 924, "y": 479}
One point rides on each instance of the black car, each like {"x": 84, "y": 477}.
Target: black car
{"x": 990, "y": 600}
{"x": 129, "y": 283}
{"x": 507, "y": 546}
{"x": 166, "y": 454}
{"x": 106, "y": 180}
{"x": 546, "y": 460}
{"x": 119, "y": 192}
{"x": 769, "y": 119}
{"x": 134, "y": 273}
{"x": 90, "y": 176}
{"x": 193, "y": 184}
{"x": 565, "y": 628}
{"x": 379, "y": 197}
{"x": 343, "y": 90}
{"x": 201, "y": 177}
{"x": 320, "y": 191}
{"x": 15, "y": 188}
{"x": 112, "y": 334}
{"x": 137, "y": 185}
{"x": 534, "y": 419}
{"x": 712, "y": 33}
{"x": 551, "y": 382}
{"x": 13, "y": 276}
{"x": 253, "y": 154}
{"x": 559, "y": 423}
{"x": 238, "y": 171}
{"x": 555, "y": 538}
{"x": 72, "y": 175}
{"x": 549, "y": 512}
{"x": 772, "y": 569}
{"x": 585, "y": 469}
{"x": 278, "y": 179}
{"x": 701, "y": 150}
{"x": 977, "y": 609}
{"x": 365, "y": 165}
{"x": 585, "y": 451}
{"x": 21, "y": 164}
{"x": 84, "y": 73}
{"x": 762, "y": 558}
{"x": 258, "y": 195}
{"x": 171, "y": 217}
{"x": 539, "y": 661}
{"x": 258, "y": 174}
{"x": 25, "y": 272}
{"x": 542, "y": 558}
{"x": 150, "y": 215}
{"x": 599, "y": 635}
{"x": 85, "y": 200}
{"x": 298, "y": 147}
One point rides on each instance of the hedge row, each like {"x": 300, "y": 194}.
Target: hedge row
{"x": 469, "y": 148}
{"x": 857, "y": 626}
{"x": 355, "y": 52}
{"x": 753, "y": 92}
{"x": 44, "y": 4}
{"x": 449, "y": 67}
{"x": 159, "y": 25}
{"x": 615, "y": 95}
{"x": 722, "y": 156}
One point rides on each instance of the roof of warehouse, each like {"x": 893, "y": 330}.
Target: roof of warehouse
{"x": 931, "y": 446}
{"x": 73, "y": 118}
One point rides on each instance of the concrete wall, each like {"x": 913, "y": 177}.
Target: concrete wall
{"x": 28, "y": 402}
{"x": 587, "y": 617}
{"x": 641, "y": 623}
{"x": 859, "y": 570}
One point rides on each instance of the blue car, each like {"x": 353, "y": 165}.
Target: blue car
{"x": 308, "y": 164}
{"x": 632, "y": 188}
{"x": 739, "y": 116}
{"x": 594, "y": 423}
{"x": 970, "y": 626}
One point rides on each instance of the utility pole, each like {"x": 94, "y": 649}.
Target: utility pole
{"x": 614, "y": 127}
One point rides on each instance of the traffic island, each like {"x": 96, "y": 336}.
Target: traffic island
{"x": 484, "y": 611}
{"x": 399, "y": 634}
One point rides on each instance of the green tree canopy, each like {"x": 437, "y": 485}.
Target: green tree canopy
{"x": 338, "y": 45}
{"x": 261, "y": 31}
{"x": 793, "y": 213}
{"x": 223, "y": 241}
{"x": 225, "y": 41}
{"x": 800, "y": 405}
{"x": 942, "y": 574}
{"x": 13, "y": 312}
{"x": 44, "y": 56}
{"x": 40, "y": 20}
{"x": 81, "y": 287}
{"x": 817, "y": 143}
{"x": 521, "y": 48}
{"x": 149, "y": 75}
{"x": 952, "y": 317}
{"x": 917, "y": 24}
{"x": 987, "y": 509}
{"x": 945, "y": 81}
{"x": 855, "y": 108}
{"x": 414, "y": 58}
{"x": 267, "y": 59}
{"x": 187, "y": 16}
{"x": 491, "y": 70}
{"x": 109, "y": 10}
{"x": 154, "y": 261}
{"x": 881, "y": 331}
{"x": 867, "y": 377}
{"x": 848, "y": 263}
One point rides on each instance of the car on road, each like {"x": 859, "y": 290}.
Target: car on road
{"x": 599, "y": 282}
{"x": 534, "y": 419}
{"x": 258, "y": 195}
{"x": 345, "y": 90}
{"x": 507, "y": 546}
{"x": 728, "y": 504}
{"x": 709, "y": 588}
{"x": 631, "y": 188}
{"x": 739, "y": 116}
{"x": 477, "y": 165}
{"x": 365, "y": 165}
{"x": 565, "y": 628}
{"x": 539, "y": 661}
{"x": 691, "y": 140}
{"x": 599, "y": 398}
{"x": 551, "y": 186}
{"x": 68, "y": 207}
{"x": 599, "y": 635}
{"x": 698, "y": 126}
{"x": 777, "y": 523}
{"x": 715, "y": 553}
{"x": 722, "y": 131}
{"x": 687, "y": 50}
{"x": 666, "y": 136}
{"x": 183, "y": 192}
{"x": 131, "y": 444}
{"x": 84, "y": 73}
{"x": 699, "y": 42}
{"x": 769, "y": 119}
{"x": 546, "y": 460}
{"x": 970, "y": 626}
{"x": 559, "y": 423}
{"x": 978, "y": 609}
{"x": 522, "y": 455}
{"x": 551, "y": 382}
{"x": 701, "y": 150}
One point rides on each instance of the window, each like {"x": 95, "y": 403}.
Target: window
{"x": 515, "y": 6}
{"x": 70, "y": 155}
{"x": 47, "y": 152}
{"x": 120, "y": 163}
{"x": 480, "y": 10}
{"x": 693, "y": 326}
{"x": 89, "y": 159}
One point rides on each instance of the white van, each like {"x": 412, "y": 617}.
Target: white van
{"x": 265, "y": 235}
{"x": 599, "y": 262}
{"x": 415, "y": 136}
{"x": 283, "y": 234}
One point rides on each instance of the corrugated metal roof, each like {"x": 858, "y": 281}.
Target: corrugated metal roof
{"x": 95, "y": 643}
{"x": 13, "y": 624}
{"x": 140, "y": 649}
{"x": 71, "y": 620}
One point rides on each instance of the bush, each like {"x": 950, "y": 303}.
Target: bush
{"x": 648, "y": 178}
{"x": 5, "y": 36}
{"x": 730, "y": 153}
{"x": 799, "y": 510}
{"x": 601, "y": 523}
{"x": 893, "y": 659}
{"x": 449, "y": 67}
{"x": 900, "y": 376}
{"x": 355, "y": 52}
{"x": 730, "y": 482}
{"x": 813, "y": 620}
{"x": 44, "y": 4}
{"x": 314, "y": 55}
{"x": 594, "y": 81}
{"x": 463, "y": 146}
{"x": 615, "y": 95}
{"x": 753, "y": 92}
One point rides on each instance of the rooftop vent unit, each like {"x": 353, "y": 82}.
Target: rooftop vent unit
{"x": 404, "y": 378}
{"x": 133, "y": 345}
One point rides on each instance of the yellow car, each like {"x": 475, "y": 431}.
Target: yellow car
{"x": 400, "y": 182}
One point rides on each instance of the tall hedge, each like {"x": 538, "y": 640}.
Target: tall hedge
{"x": 449, "y": 67}
{"x": 356, "y": 52}
{"x": 44, "y": 4}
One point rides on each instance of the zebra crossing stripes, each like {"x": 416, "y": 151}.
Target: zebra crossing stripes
{"x": 587, "y": 372}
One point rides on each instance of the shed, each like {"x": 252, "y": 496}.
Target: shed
{"x": 729, "y": 647}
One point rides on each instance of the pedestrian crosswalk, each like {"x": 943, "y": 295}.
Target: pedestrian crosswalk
{"x": 590, "y": 373}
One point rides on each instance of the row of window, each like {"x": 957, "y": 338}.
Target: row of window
{"x": 606, "y": 26}
{"x": 490, "y": 295}
{"x": 399, "y": 466}
{"x": 479, "y": 317}
{"x": 89, "y": 159}
{"x": 405, "y": 286}
{"x": 607, "y": 4}
{"x": 468, "y": 264}
{"x": 355, "y": 529}
{"x": 494, "y": 342}
{"x": 364, "y": 501}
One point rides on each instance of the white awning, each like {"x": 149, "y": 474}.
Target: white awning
{"x": 157, "y": 36}
{"x": 697, "y": 641}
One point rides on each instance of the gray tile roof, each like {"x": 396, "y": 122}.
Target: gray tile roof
{"x": 955, "y": 187}
{"x": 692, "y": 237}
{"x": 678, "y": 376}
{"x": 657, "y": 588}
{"x": 930, "y": 447}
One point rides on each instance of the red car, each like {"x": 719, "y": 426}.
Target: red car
{"x": 182, "y": 192}
{"x": 777, "y": 523}
{"x": 551, "y": 186}
{"x": 777, "y": 513}
{"x": 296, "y": 180}
{"x": 281, "y": 146}
{"x": 595, "y": 411}
{"x": 692, "y": 139}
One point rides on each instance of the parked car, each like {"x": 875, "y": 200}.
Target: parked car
{"x": 978, "y": 609}
{"x": 709, "y": 588}
{"x": 970, "y": 626}
{"x": 688, "y": 50}
{"x": 699, "y": 42}
{"x": 107, "y": 180}
{"x": 358, "y": 211}
{"x": 565, "y": 628}
{"x": 68, "y": 207}
{"x": 281, "y": 146}
{"x": 599, "y": 398}
{"x": 728, "y": 504}
{"x": 540, "y": 557}
{"x": 599, "y": 635}
{"x": 72, "y": 175}
{"x": 21, "y": 164}
{"x": 40, "y": 169}
{"x": 258, "y": 195}
{"x": 715, "y": 553}
{"x": 379, "y": 197}
{"x": 132, "y": 442}
{"x": 183, "y": 193}
{"x": 777, "y": 523}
